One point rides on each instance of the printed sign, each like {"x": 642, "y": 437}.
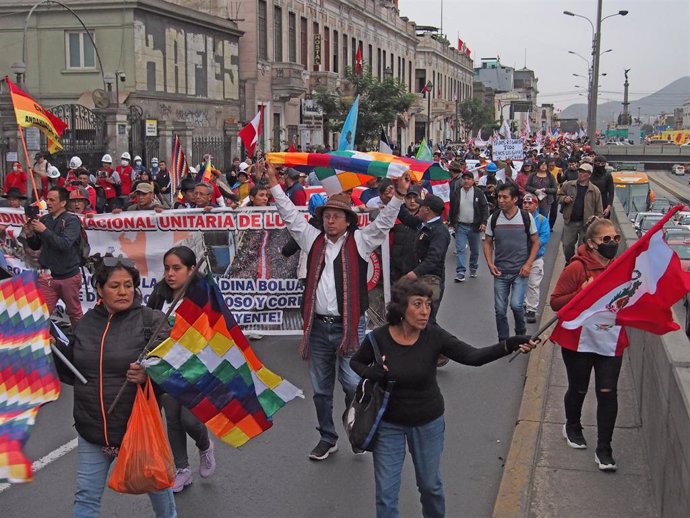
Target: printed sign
{"x": 151, "y": 127}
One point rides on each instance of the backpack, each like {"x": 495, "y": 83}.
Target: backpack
{"x": 525, "y": 220}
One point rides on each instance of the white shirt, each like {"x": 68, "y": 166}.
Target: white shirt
{"x": 375, "y": 203}
{"x": 367, "y": 240}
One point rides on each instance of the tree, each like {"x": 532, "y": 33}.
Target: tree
{"x": 381, "y": 101}
{"x": 477, "y": 114}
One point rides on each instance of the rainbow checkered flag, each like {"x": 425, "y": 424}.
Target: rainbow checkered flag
{"x": 27, "y": 374}
{"x": 208, "y": 366}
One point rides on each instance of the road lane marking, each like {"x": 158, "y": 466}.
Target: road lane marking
{"x": 48, "y": 459}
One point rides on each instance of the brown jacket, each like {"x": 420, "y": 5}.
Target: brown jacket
{"x": 593, "y": 205}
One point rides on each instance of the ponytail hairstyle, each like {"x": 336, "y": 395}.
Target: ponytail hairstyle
{"x": 593, "y": 225}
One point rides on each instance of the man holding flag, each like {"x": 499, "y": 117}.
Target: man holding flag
{"x": 595, "y": 297}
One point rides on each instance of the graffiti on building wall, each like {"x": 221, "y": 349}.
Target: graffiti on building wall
{"x": 184, "y": 59}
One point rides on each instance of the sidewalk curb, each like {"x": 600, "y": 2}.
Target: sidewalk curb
{"x": 514, "y": 491}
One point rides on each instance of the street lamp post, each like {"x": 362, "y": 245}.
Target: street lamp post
{"x": 596, "y": 46}
{"x": 429, "y": 88}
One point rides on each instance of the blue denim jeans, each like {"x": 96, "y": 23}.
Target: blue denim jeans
{"x": 324, "y": 341}
{"x": 463, "y": 235}
{"x": 425, "y": 443}
{"x": 92, "y": 475}
{"x": 513, "y": 287}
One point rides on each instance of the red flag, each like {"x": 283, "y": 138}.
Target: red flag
{"x": 460, "y": 45}
{"x": 467, "y": 51}
{"x": 425, "y": 89}
{"x": 250, "y": 133}
{"x": 358, "y": 61}
{"x": 636, "y": 290}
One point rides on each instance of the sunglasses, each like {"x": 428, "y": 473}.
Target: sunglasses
{"x": 607, "y": 239}
{"x": 111, "y": 262}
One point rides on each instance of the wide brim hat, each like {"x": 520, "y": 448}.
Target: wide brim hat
{"x": 14, "y": 192}
{"x": 339, "y": 201}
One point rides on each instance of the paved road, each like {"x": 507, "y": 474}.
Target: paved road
{"x": 271, "y": 475}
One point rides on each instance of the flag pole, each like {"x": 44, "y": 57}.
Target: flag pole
{"x": 535, "y": 336}
{"x": 28, "y": 162}
{"x": 154, "y": 335}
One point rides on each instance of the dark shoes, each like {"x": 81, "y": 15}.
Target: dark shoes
{"x": 604, "y": 459}
{"x": 323, "y": 450}
{"x": 531, "y": 317}
{"x": 460, "y": 278}
{"x": 573, "y": 436}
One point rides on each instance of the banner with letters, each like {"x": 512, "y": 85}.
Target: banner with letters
{"x": 261, "y": 286}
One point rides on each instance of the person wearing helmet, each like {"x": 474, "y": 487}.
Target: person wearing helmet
{"x": 109, "y": 180}
{"x": 75, "y": 164}
{"x": 125, "y": 171}
{"x": 40, "y": 171}
{"x": 54, "y": 177}
{"x": 86, "y": 181}
{"x": 16, "y": 179}
{"x": 154, "y": 167}
{"x": 137, "y": 168}
{"x": 79, "y": 202}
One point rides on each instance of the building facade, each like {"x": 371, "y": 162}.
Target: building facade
{"x": 449, "y": 74}
{"x": 144, "y": 71}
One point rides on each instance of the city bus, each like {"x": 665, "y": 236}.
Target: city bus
{"x": 633, "y": 191}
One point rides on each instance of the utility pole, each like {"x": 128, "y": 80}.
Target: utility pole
{"x": 596, "y": 45}
{"x": 429, "y": 88}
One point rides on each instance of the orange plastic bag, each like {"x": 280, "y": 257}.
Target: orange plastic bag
{"x": 145, "y": 462}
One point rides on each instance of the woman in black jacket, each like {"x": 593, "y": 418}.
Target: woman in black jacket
{"x": 410, "y": 350}
{"x": 179, "y": 263}
{"x": 106, "y": 344}
{"x": 543, "y": 185}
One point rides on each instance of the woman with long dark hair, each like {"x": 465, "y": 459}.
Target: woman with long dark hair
{"x": 410, "y": 350}
{"x": 180, "y": 263}
{"x": 592, "y": 258}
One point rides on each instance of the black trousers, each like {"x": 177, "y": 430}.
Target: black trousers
{"x": 181, "y": 422}
{"x": 579, "y": 367}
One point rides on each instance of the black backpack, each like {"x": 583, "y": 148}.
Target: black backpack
{"x": 525, "y": 220}
{"x": 84, "y": 246}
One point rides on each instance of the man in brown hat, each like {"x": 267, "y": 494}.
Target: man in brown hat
{"x": 335, "y": 296}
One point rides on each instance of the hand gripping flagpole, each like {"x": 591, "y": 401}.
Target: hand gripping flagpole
{"x": 535, "y": 336}
{"x": 154, "y": 335}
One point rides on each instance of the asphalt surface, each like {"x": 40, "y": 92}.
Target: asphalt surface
{"x": 271, "y": 476}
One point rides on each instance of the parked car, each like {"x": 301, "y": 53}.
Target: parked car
{"x": 676, "y": 232}
{"x": 649, "y": 221}
{"x": 681, "y": 246}
{"x": 638, "y": 217}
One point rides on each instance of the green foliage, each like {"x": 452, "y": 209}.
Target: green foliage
{"x": 381, "y": 102}
{"x": 477, "y": 114}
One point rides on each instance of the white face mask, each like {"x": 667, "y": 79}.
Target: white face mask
{"x": 124, "y": 163}
{"x": 137, "y": 163}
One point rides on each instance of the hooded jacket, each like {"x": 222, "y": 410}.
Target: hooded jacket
{"x": 582, "y": 266}
{"x": 102, "y": 348}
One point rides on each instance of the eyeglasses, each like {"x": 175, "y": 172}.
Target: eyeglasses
{"x": 333, "y": 217}
{"x": 110, "y": 262}
{"x": 607, "y": 239}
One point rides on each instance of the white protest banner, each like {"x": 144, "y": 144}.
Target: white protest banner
{"x": 260, "y": 285}
{"x": 508, "y": 149}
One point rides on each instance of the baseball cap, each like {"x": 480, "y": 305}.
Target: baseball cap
{"x": 529, "y": 198}
{"x": 434, "y": 203}
{"x": 243, "y": 167}
{"x": 293, "y": 174}
{"x": 467, "y": 173}
{"x": 144, "y": 187}
{"x": 585, "y": 167}
{"x": 414, "y": 189}
{"x": 600, "y": 159}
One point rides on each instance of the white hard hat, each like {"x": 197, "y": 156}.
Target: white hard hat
{"x": 192, "y": 170}
{"x": 53, "y": 172}
{"x": 107, "y": 159}
{"x": 125, "y": 156}
{"x": 74, "y": 162}
{"x": 137, "y": 157}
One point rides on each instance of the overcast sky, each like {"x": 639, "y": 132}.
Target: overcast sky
{"x": 653, "y": 40}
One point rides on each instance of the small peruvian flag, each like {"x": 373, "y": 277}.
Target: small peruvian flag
{"x": 250, "y": 133}
{"x": 358, "y": 61}
{"x": 636, "y": 290}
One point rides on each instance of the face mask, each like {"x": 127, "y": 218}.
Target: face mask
{"x": 137, "y": 163}
{"x": 15, "y": 169}
{"x": 608, "y": 250}
{"x": 599, "y": 168}
{"x": 124, "y": 163}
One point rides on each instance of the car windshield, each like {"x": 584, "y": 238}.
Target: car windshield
{"x": 682, "y": 249}
{"x": 648, "y": 222}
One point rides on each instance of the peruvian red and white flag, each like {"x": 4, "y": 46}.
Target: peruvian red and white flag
{"x": 636, "y": 290}
{"x": 250, "y": 133}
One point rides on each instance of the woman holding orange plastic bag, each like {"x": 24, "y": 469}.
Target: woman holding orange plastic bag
{"x": 106, "y": 345}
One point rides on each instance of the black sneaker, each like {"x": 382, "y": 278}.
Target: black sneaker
{"x": 531, "y": 317}
{"x": 323, "y": 450}
{"x": 574, "y": 438}
{"x": 604, "y": 459}
{"x": 460, "y": 278}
